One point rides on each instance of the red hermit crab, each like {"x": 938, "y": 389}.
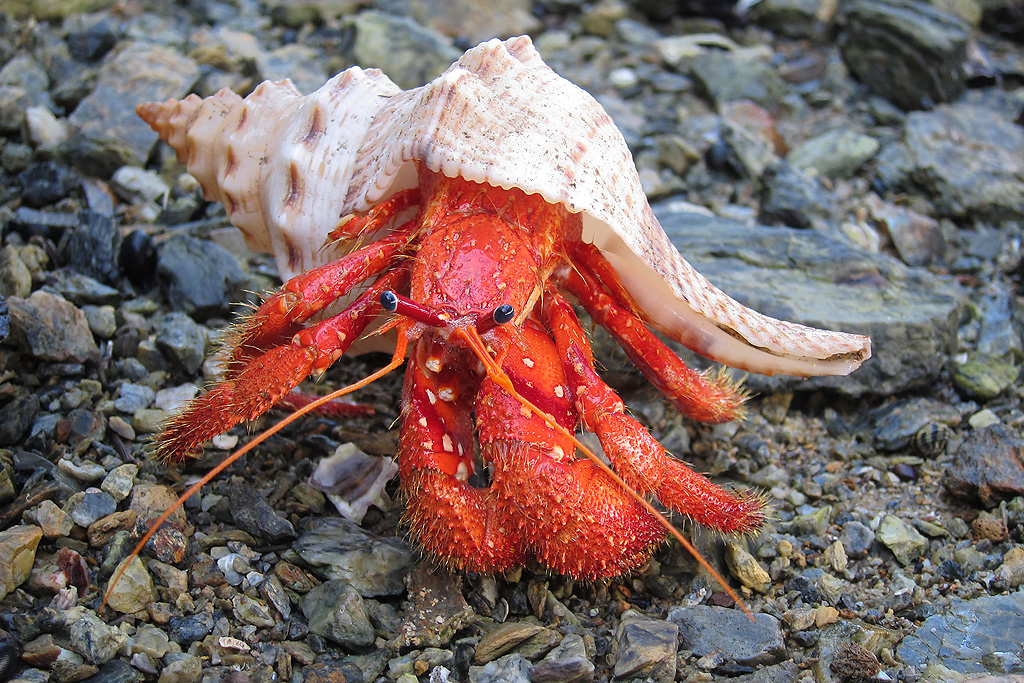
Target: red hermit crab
{"x": 466, "y": 215}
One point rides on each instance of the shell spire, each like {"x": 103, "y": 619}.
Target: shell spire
{"x": 289, "y": 167}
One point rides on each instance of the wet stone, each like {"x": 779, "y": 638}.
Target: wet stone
{"x": 988, "y": 465}
{"x": 336, "y": 611}
{"x": 745, "y": 568}
{"x": 132, "y": 397}
{"x": 331, "y": 672}
{"x": 902, "y": 539}
{"x": 646, "y": 647}
{"x": 134, "y": 591}
{"x": 791, "y": 197}
{"x": 704, "y": 630}
{"x": 51, "y": 328}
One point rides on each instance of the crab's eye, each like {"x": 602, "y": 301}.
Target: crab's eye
{"x": 502, "y": 314}
{"x": 389, "y": 301}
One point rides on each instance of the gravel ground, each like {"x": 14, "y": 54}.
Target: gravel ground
{"x": 859, "y": 167}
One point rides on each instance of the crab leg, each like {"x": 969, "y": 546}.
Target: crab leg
{"x": 266, "y": 377}
{"x": 574, "y": 517}
{"x": 636, "y": 455}
{"x": 704, "y": 396}
{"x": 281, "y": 316}
{"x": 462, "y": 525}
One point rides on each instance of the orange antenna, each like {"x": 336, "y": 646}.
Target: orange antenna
{"x": 494, "y": 372}
{"x": 397, "y": 359}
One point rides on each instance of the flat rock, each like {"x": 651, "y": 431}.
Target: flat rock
{"x": 967, "y": 158}
{"x": 705, "y": 630}
{"x": 109, "y": 134}
{"x": 967, "y": 634}
{"x": 807, "y": 277}
{"x": 437, "y": 609}
{"x": 338, "y": 549}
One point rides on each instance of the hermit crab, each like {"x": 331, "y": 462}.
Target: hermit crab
{"x": 467, "y": 217}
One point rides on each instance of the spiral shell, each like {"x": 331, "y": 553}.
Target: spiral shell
{"x": 290, "y": 167}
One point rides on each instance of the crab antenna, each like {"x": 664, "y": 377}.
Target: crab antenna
{"x": 397, "y": 359}
{"x": 495, "y": 373}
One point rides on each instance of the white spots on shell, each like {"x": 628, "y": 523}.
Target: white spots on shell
{"x": 528, "y": 362}
{"x": 446, "y": 394}
{"x": 559, "y": 391}
{"x": 431, "y": 396}
{"x": 446, "y": 444}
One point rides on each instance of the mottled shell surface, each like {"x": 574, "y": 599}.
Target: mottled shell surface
{"x": 289, "y": 168}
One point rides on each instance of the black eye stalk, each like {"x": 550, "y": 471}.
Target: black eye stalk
{"x": 395, "y": 303}
{"x": 389, "y": 301}
{"x": 502, "y": 314}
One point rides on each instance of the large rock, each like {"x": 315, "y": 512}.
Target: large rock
{"x": 807, "y": 277}
{"x": 109, "y": 134}
{"x": 965, "y": 158}
{"x": 906, "y": 51}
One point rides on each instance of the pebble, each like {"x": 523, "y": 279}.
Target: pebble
{"x": 437, "y": 608}
{"x": 834, "y": 154}
{"x": 857, "y": 538}
{"x": 745, "y": 568}
{"x": 338, "y": 549}
{"x": 200, "y": 276}
{"x": 704, "y": 630}
{"x": 902, "y": 539}
{"x": 252, "y": 513}
{"x": 336, "y": 611}
{"x": 513, "y": 636}
{"x": 513, "y": 668}
{"x": 134, "y": 590}
{"x": 567, "y": 663}
{"x": 646, "y": 647}
{"x": 90, "y": 637}
{"x": 181, "y": 340}
{"x": 51, "y": 328}
{"x": 86, "y": 507}
{"x": 54, "y": 521}
{"x": 119, "y": 481}
{"x": 108, "y": 135}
